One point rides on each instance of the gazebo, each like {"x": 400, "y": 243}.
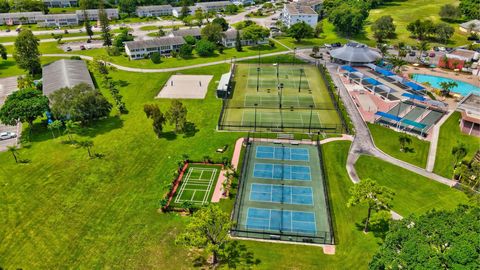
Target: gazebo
{"x": 354, "y": 54}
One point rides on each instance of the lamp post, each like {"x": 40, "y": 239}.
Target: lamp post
{"x": 293, "y": 58}
{"x": 281, "y": 89}
{"x": 258, "y": 76}
{"x": 300, "y": 82}
{"x": 255, "y": 122}
{"x": 310, "y": 123}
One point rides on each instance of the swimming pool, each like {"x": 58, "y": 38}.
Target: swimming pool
{"x": 463, "y": 88}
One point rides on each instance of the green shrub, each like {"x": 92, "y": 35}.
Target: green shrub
{"x": 155, "y": 57}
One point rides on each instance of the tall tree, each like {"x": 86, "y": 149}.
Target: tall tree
{"x": 444, "y": 32}
{"x": 185, "y": 11}
{"x": 153, "y": 111}
{"x": 435, "y": 240}
{"x": 3, "y": 52}
{"x": 212, "y": 32}
{"x": 208, "y": 230}
{"x": 470, "y": 9}
{"x": 367, "y": 192}
{"x": 348, "y": 18}
{"x": 4, "y": 6}
{"x": 458, "y": 152}
{"x": 86, "y": 23}
{"x": 199, "y": 17}
{"x": 222, "y": 22}
{"x": 26, "y": 52}
{"x": 383, "y": 28}
{"x": 300, "y": 31}
{"x": 24, "y": 105}
{"x": 404, "y": 140}
{"x": 105, "y": 25}
{"x": 79, "y": 103}
{"x": 238, "y": 42}
{"x": 127, "y": 6}
{"x": 255, "y": 33}
{"x": 450, "y": 12}
{"x": 177, "y": 115}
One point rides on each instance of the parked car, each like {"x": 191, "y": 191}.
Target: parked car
{"x": 424, "y": 54}
{"x": 442, "y": 49}
{"x": 8, "y": 30}
{"x": 68, "y": 49}
{"x": 436, "y": 49}
{"x": 82, "y": 47}
{"x": 432, "y": 54}
{"x": 328, "y": 46}
{"x": 88, "y": 47}
{"x": 336, "y": 45}
{"x": 7, "y": 135}
{"x": 414, "y": 48}
{"x": 412, "y": 53}
{"x": 449, "y": 49}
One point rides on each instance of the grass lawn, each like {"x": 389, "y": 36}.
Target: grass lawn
{"x": 149, "y": 27}
{"x": 387, "y": 140}
{"x": 47, "y": 36}
{"x": 404, "y": 12}
{"x": 414, "y": 194}
{"x": 9, "y": 67}
{"x": 450, "y": 136}
{"x": 65, "y": 209}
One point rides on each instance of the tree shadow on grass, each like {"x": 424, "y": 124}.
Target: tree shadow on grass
{"x": 234, "y": 255}
{"x": 190, "y": 130}
{"x": 101, "y": 126}
{"x": 169, "y": 135}
{"x": 379, "y": 229}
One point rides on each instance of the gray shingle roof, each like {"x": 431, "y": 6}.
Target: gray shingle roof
{"x": 65, "y": 73}
{"x": 212, "y": 4}
{"x": 153, "y": 43}
{"x": 187, "y": 32}
{"x": 155, "y": 7}
{"x": 355, "y": 53}
{"x": 295, "y": 9}
{"x": 474, "y": 23}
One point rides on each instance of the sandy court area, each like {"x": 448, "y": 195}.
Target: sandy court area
{"x": 7, "y": 86}
{"x": 186, "y": 86}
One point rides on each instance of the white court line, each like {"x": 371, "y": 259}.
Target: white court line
{"x": 182, "y": 187}
{"x": 212, "y": 177}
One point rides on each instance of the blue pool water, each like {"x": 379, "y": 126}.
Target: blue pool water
{"x": 463, "y": 88}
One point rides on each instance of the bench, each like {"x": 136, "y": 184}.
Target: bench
{"x": 221, "y": 150}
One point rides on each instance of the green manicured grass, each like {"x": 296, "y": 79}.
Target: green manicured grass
{"x": 414, "y": 194}
{"x": 65, "y": 209}
{"x": 404, "y": 12}
{"x": 47, "y": 36}
{"x": 149, "y": 27}
{"x": 450, "y": 136}
{"x": 9, "y": 67}
{"x": 387, "y": 140}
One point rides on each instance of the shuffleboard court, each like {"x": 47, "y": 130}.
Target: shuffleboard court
{"x": 282, "y": 153}
{"x": 281, "y": 220}
{"x": 197, "y": 185}
{"x": 282, "y": 172}
{"x": 281, "y": 194}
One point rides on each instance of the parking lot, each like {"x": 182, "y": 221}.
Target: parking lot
{"x": 76, "y": 45}
{"x": 7, "y": 86}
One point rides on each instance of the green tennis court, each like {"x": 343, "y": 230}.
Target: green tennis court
{"x": 283, "y": 199}
{"x": 197, "y": 184}
{"x": 268, "y": 96}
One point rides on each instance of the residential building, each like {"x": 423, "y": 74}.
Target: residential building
{"x": 154, "y": 11}
{"x": 177, "y": 11}
{"x": 213, "y": 6}
{"x": 469, "y": 107}
{"x": 294, "y": 13}
{"x": 230, "y": 37}
{"x": 64, "y": 73}
{"x": 19, "y": 18}
{"x": 92, "y": 14}
{"x": 57, "y": 20}
{"x": 60, "y": 3}
{"x": 143, "y": 48}
{"x": 194, "y": 32}
{"x": 473, "y": 25}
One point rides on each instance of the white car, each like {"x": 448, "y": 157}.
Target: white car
{"x": 7, "y": 135}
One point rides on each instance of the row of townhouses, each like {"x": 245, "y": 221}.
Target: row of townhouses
{"x": 54, "y": 19}
{"x": 173, "y": 41}
{"x": 164, "y": 10}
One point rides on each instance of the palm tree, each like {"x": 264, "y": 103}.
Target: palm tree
{"x": 423, "y": 47}
{"x": 383, "y": 49}
{"x": 54, "y": 125}
{"x": 14, "y": 150}
{"x": 397, "y": 62}
{"x": 459, "y": 152}
{"x": 447, "y": 87}
{"x": 70, "y": 128}
{"x": 87, "y": 144}
{"x": 404, "y": 140}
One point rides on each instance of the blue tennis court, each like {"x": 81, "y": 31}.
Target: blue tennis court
{"x": 281, "y": 220}
{"x": 282, "y": 153}
{"x": 282, "y": 171}
{"x": 281, "y": 194}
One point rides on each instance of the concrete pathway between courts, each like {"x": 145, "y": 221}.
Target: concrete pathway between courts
{"x": 218, "y": 193}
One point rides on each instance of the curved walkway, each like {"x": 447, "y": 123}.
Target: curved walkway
{"x": 159, "y": 70}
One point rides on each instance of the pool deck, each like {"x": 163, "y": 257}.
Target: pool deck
{"x": 468, "y": 78}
